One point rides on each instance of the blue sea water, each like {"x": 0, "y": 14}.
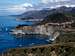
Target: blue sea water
{"x": 9, "y": 41}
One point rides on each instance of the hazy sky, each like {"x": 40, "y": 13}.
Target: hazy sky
{"x": 20, "y": 6}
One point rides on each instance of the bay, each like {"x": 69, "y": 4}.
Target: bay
{"x": 8, "y": 41}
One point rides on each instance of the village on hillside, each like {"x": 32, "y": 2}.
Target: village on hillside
{"x": 59, "y": 22}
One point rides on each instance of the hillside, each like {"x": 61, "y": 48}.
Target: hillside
{"x": 41, "y": 14}
{"x": 56, "y": 18}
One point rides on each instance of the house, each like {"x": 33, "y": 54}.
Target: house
{"x": 22, "y": 29}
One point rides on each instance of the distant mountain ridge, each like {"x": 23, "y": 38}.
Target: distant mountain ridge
{"x": 36, "y": 14}
{"x": 40, "y": 14}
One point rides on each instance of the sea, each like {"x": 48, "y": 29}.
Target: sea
{"x": 8, "y": 41}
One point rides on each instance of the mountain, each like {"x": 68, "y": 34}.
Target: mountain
{"x": 55, "y": 18}
{"x": 41, "y": 14}
{"x": 37, "y": 14}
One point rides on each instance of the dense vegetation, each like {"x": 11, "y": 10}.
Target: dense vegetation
{"x": 56, "y": 18}
{"x": 57, "y": 50}
{"x": 66, "y": 37}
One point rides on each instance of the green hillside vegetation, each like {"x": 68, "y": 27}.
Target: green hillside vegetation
{"x": 66, "y": 37}
{"x": 56, "y": 18}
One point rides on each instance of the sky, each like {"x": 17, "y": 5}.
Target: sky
{"x": 8, "y": 7}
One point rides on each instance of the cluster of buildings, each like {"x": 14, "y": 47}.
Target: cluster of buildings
{"x": 39, "y": 29}
{"x": 47, "y": 28}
